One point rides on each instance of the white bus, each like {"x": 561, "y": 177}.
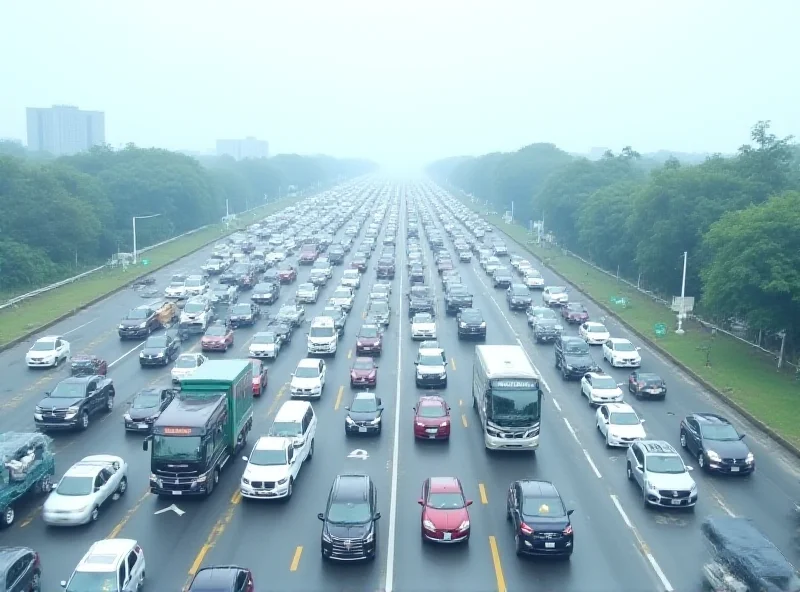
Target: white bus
{"x": 507, "y": 394}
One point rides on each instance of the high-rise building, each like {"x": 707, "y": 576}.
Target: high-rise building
{"x": 241, "y": 149}
{"x": 63, "y": 129}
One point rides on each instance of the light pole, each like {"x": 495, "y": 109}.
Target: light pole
{"x": 135, "y": 218}
{"x": 682, "y": 310}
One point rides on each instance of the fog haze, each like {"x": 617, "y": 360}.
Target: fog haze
{"x": 406, "y": 83}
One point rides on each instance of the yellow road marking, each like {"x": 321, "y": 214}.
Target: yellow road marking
{"x": 363, "y": 314}
{"x": 296, "y": 559}
{"x": 464, "y": 420}
{"x": 349, "y": 354}
{"x": 125, "y": 519}
{"x": 498, "y": 568}
{"x": 338, "y": 398}
{"x": 198, "y": 561}
{"x": 29, "y": 518}
{"x": 273, "y": 406}
{"x": 214, "y": 535}
{"x": 482, "y": 491}
{"x": 453, "y": 363}
{"x": 236, "y": 497}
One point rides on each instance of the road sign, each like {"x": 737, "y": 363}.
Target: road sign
{"x": 619, "y": 301}
{"x": 358, "y": 453}
{"x": 685, "y": 304}
{"x": 660, "y": 329}
{"x": 145, "y": 261}
{"x": 172, "y": 508}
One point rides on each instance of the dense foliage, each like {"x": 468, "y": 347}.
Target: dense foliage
{"x": 75, "y": 211}
{"x": 736, "y": 216}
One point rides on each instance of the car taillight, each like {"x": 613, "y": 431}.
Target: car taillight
{"x": 567, "y": 530}
{"x": 525, "y": 529}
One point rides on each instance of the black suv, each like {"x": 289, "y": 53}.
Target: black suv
{"x": 420, "y": 300}
{"x": 518, "y": 297}
{"x": 73, "y": 401}
{"x": 20, "y": 570}
{"x": 457, "y": 298}
{"x": 539, "y": 519}
{"x": 223, "y": 578}
{"x": 471, "y": 323}
{"x": 349, "y": 529}
{"x": 573, "y": 357}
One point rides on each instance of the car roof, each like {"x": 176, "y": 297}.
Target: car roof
{"x": 10, "y": 554}
{"x": 711, "y": 418}
{"x": 272, "y": 443}
{"x": 444, "y": 485}
{"x": 352, "y": 486}
{"x": 430, "y": 351}
{"x": 534, "y": 488}
{"x": 431, "y": 400}
{"x": 365, "y": 359}
{"x": 619, "y": 340}
{"x": 594, "y": 324}
{"x": 620, "y": 408}
{"x": 292, "y": 411}
{"x": 49, "y": 338}
{"x": 308, "y": 363}
{"x": 572, "y": 339}
{"x": 104, "y": 555}
{"x": 216, "y": 575}
{"x": 365, "y": 395}
{"x": 77, "y": 379}
{"x": 657, "y": 447}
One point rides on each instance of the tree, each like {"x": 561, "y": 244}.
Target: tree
{"x": 603, "y": 224}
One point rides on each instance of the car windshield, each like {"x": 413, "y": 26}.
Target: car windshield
{"x": 574, "y": 307}
{"x": 502, "y": 271}
{"x": 68, "y": 390}
{"x": 321, "y": 332}
{"x": 624, "y": 418}
{"x": 286, "y": 429}
{"x": 471, "y": 316}
{"x": 194, "y": 283}
{"x": 368, "y": 332}
{"x": 76, "y": 486}
{"x": 138, "y": 313}
{"x": 604, "y": 382}
{"x": 597, "y": 329}
{"x": 194, "y": 307}
{"x": 445, "y": 501}
{"x": 576, "y": 348}
{"x": 242, "y": 309}
{"x": 261, "y": 288}
{"x": 44, "y": 346}
{"x": 519, "y": 290}
{"x": 363, "y": 364}
{"x": 543, "y": 507}
{"x": 559, "y": 290}
{"x": 186, "y": 362}
{"x": 423, "y": 318}
{"x": 723, "y": 432}
{"x": 431, "y": 410}
{"x": 305, "y": 288}
{"x": 532, "y": 273}
{"x": 216, "y": 331}
{"x": 665, "y": 463}
{"x": 288, "y": 311}
{"x": 380, "y": 289}
{"x": 349, "y": 513}
{"x": 307, "y": 372}
{"x": 93, "y": 581}
{"x": 268, "y": 458}
{"x": 146, "y": 401}
{"x": 156, "y": 342}
{"x": 351, "y": 273}
{"x": 624, "y": 346}
{"x": 264, "y": 338}
{"x": 430, "y": 360}
{"x": 176, "y": 284}
{"x": 546, "y": 313}
{"x": 364, "y": 405}
{"x": 341, "y": 294}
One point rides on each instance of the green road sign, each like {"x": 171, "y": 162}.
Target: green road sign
{"x": 619, "y": 301}
{"x": 660, "y": 329}
{"x": 145, "y": 261}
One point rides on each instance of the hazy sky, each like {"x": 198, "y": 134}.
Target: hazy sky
{"x": 406, "y": 82}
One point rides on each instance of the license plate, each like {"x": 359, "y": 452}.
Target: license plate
{"x": 177, "y": 493}
{"x": 142, "y": 426}
{"x": 447, "y": 536}
{"x": 432, "y": 430}
{"x": 734, "y": 469}
{"x": 676, "y": 502}
{"x": 549, "y": 545}
{"x": 654, "y": 391}
{"x": 432, "y": 437}
{"x": 362, "y": 430}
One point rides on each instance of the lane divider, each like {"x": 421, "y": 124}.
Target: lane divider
{"x": 453, "y": 363}
{"x": 498, "y": 567}
{"x": 298, "y": 552}
{"x": 464, "y": 420}
{"x": 338, "y": 398}
{"x": 213, "y": 537}
{"x": 128, "y": 515}
{"x": 482, "y": 492}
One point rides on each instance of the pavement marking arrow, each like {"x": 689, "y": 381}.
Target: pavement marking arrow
{"x": 172, "y": 508}
{"x": 358, "y": 453}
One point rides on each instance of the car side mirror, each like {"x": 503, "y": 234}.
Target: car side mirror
{"x": 144, "y": 445}
{"x": 741, "y": 436}
{"x": 47, "y": 393}
{"x": 321, "y": 516}
{"x": 638, "y": 466}
{"x": 619, "y": 384}
{"x": 380, "y": 407}
{"x": 63, "y": 583}
{"x": 469, "y": 502}
{"x": 416, "y": 363}
{"x": 377, "y": 516}
{"x": 347, "y": 408}
{"x": 689, "y": 468}
{"x": 421, "y": 502}
{"x": 570, "y": 512}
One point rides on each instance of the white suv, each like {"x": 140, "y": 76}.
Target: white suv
{"x": 308, "y": 379}
{"x": 48, "y": 352}
{"x": 272, "y": 468}
{"x": 658, "y": 469}
{"x": 110, "y": 564}
{"x": 323, "y": 338}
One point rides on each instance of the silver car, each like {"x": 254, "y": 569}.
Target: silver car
{"x": 659, "y": 470}
{"x": 84, "y": 489}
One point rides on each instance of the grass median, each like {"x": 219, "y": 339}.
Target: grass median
{"x": 28, "y": 315}
{"x": 744, "y": 374}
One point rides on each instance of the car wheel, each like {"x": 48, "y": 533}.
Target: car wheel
{"x": 683, "y": 439}
{"x": 629, "y": 471}
{"x": 123, "y": 486}
{"x": 109, "y": 404}
{"x": 290, "y": 490}
{"x": 518, "y": 545}
{"x": 213, "y": 483}
{"x": 311, "y": 451}
{"x": 608, "y": 441}
{"x": 95, "y": 514}
{"x": 84, "y": 420}
{"x": 56, "y": 362}
{"x": 8, "y": 517}
{"x": 36, "y": 582}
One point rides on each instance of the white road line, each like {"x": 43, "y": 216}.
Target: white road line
{"x": 572, "y": 431}
{"x": 125, "y": 355}
{"x": 591, "y": 463}
{"x": 661, "y": 576}
{"x": 78, "y": 327}
{"x": 718, "y": 498}
{"x": 555, "y": 403}
{"x": 396, "y": 440}
{"x": 622, "y": 513}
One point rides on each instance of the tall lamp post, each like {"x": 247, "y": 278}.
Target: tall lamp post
{"x": 135, "y": 218}
{"x": 682, "y": 311}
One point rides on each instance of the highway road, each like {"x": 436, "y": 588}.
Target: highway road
{"x": 620, "y": 546}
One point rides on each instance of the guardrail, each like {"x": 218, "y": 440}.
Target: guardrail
{"x": 17, "y": 299}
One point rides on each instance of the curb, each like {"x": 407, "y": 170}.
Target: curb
{"x": 16, "y": 341}
{"x": 790, "y": 447}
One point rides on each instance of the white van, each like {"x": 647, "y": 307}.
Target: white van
{"x": 110, "y": 564}
{"x": 296, "y": 420}
{"x": 323, "y": 338}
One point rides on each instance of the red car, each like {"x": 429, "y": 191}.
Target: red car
{"x": 445, "y": 518}
{"x": 88, "y": 365}
{"x": 575, "y": 312}
{"x": 364, "y": 372}
{"x": 286, "y": 273}
{"x": 368, "y": 340}
{"x": 218, "y": 337}
{"x": 259, "y": 377}
{"x": 432, "y": 418}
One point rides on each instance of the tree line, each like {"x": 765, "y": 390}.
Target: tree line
{"x": 737, "y": 216}
{"x": 76, "y": 211}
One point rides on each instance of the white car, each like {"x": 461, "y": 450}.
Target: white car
{"x": 600, "y": 388}
{"x": 342, "y": 297}
{"x": 272, "y": 468}
{"x": 620, "y": 425}
{"x": 307, "y": 293}
{"x": 105, "y": 563}
{"x": 197, "y": 311}
{"x": 196, "y": 285}
{"x": 523, "y": 266}
{"x": 176, "y": 289}
{"x": 594, "y": 333}
{"x": 621, "y": 353}
{"x": 87, "y": 486}
{"x": 351, "y": 278}
{"x": 308, "y": 379}
{"x": 185, "y": 366}
{"x": 555, "y": 296}
{"x": 423, "y": 326}
{"x": 48, "y": 352}
{"x": 265, "y": 344}
{"x": 533, "y": 279}
{"x": 275, "y": 257}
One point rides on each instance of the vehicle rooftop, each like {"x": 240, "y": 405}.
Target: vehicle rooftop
{"x": 711, "y": 418}
{"x": 507, "y": 361}
{"x": 272, "y": 443}
{"x": 619, "y": 340}
{"x": 308, "y": 363}
{"x": 77, "y": 379}
{"x": 103, "y": 555}
{"x": 620, "y": 408}
{"x": 352, "y": 486}
{"x": 190, "y": 412}
{"x": 431, "y": 400}
{"x": 219, "y": 371}
{"x": 657, "y": 447}
{"x": 534, "y": 488}
{"x": 291, "y": 410}
{"x": 444, "y": 485}
{"x": 49, "y": 338}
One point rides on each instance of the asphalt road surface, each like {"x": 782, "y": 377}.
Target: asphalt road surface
{"x": 620, "y": 546}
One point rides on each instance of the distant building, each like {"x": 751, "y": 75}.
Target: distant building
{"x": 63, "y": 129}
{"x": 241, "y": 149}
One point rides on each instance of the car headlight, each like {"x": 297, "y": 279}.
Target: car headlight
{"x": 420, "y": 375}
{"x": 142, "y": 325}
{"x": 326, "y": 537}
{"x": 693, "y": 488}
{"x": 160, "y": 355}
{"x": 38, "y": 409}
{"x": 127, "y": 417}
{"x": 376, "y": 421}
{"x": 283, "y": 481}
{"x": 245, "y": 481}
{"x": 463, "y": 325}
{"x": 428, "y": 525}
{"x": 121, "y": 327}
{"x": 348, "y": 421}
{"x": 464, "y": 525}
{"x": 749, "y": 458}
{"x": 483, "y": 325}
{"x": 202, "y": 478}
{"x": 370, "y": 537}
{"x": 713, "y": 456}
{"x": 569, "y": 367}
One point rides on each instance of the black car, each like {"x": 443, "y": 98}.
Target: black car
{"x": 223, "y": 578}
{"x": 336, "y": 255}
{"x": 417, "y": 274}
{"x": 385, "y": 268}
{"x": 282, "y": 329}
{"x": 716, "y": 444}
{"x": 145, "y": 408}
{"x": 502, "y": 277}
{"x": 139, "y": 322}
{"x": 244, "y": 314}
{"x": 572, "y": 357}
{"x": 420, "y": 299}
{"x": 470, "y": 323}
{"x": 545, "y": 324}
{"x": 339, "y": 318}
{"x": 20, "y": 570}
{"x": 159, "y": 350}
{"x": 73, "y": 401}
{"x": 647, "y": 385}
{"x": 229, "y": 277}
{"x": 518, "y": 297}
{"x": 349, "y": 529}
{"x": 272, "y": 276}
{"x": 364, "y": 415}
{"x": 540, "y": 521}
{"x": 266, "y": 293}
{"x": 457, "y": 298}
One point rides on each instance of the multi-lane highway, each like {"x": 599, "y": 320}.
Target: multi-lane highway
{"x": 620, "y": 546}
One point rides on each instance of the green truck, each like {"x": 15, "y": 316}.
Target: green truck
{"x": 202, "y": 429}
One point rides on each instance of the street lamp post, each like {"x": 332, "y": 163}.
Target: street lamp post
{"x": 682, "y": 311}
{"x": 135, "y": 218}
